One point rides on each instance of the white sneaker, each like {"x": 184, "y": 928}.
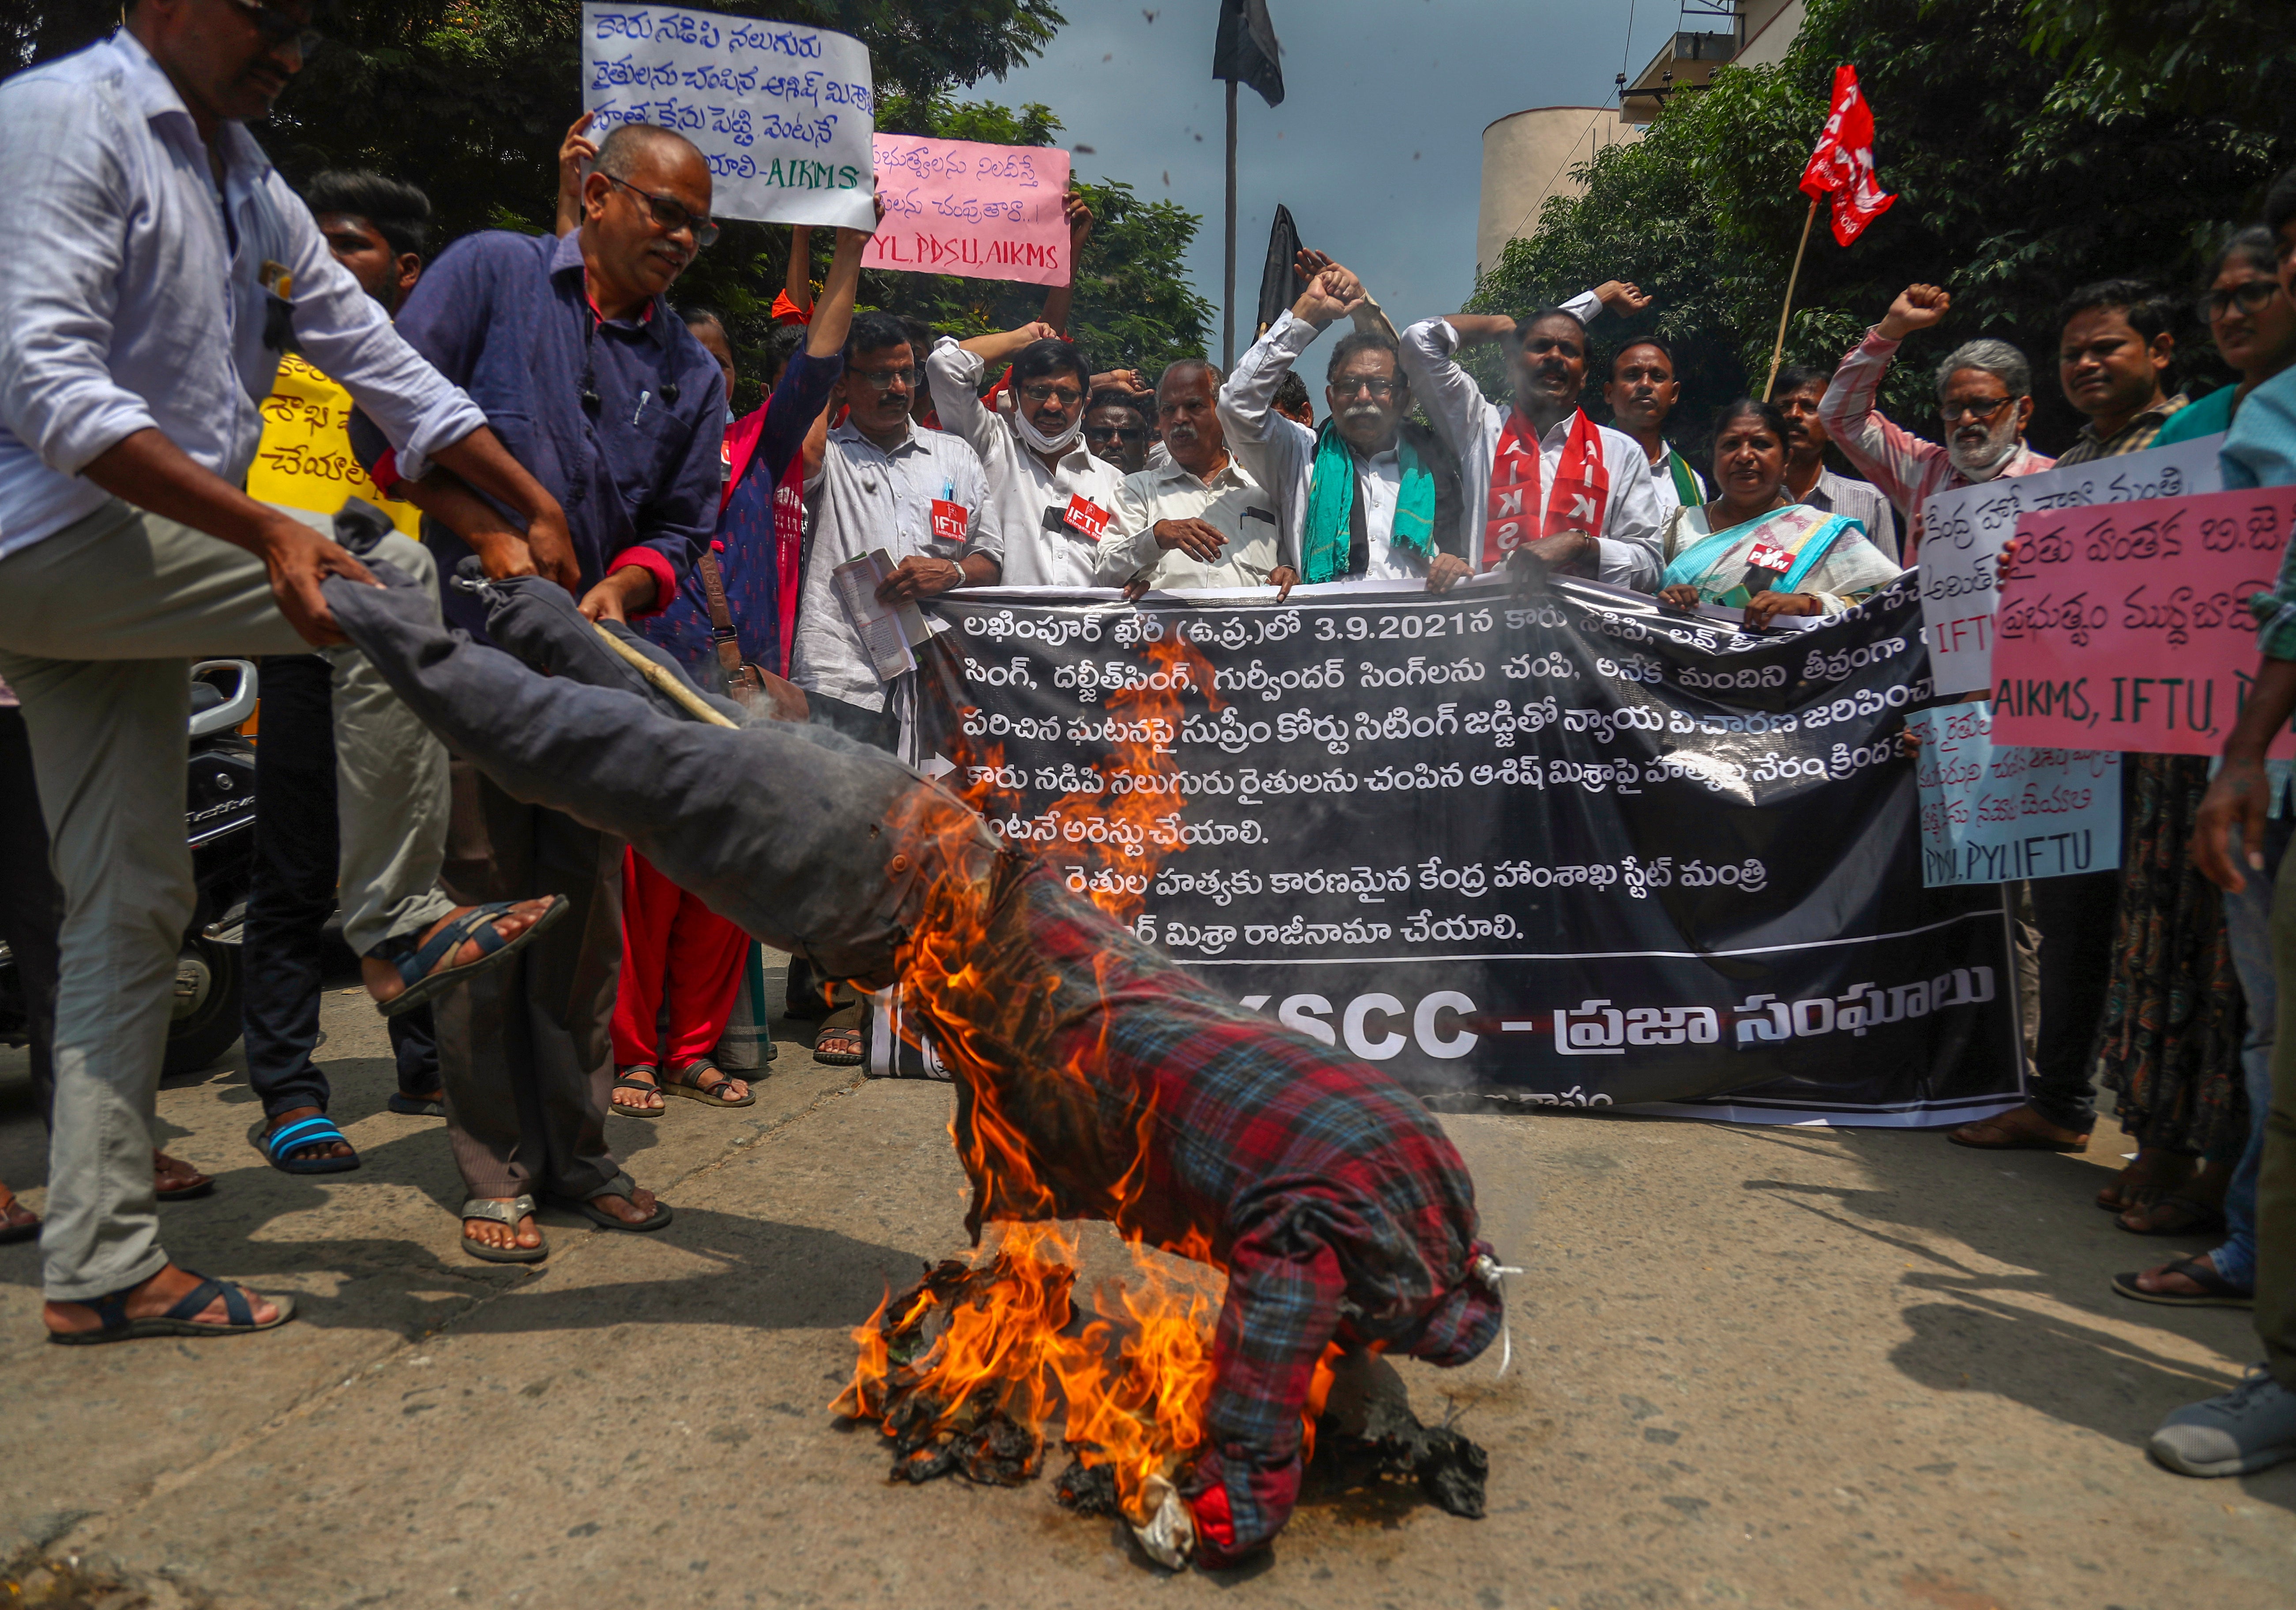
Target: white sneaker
{"x": 2251, "y": 1426}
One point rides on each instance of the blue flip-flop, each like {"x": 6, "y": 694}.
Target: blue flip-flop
{"x": 181, "y": 1320}
{"x": 306, "y": 1132}
{"x": 477, "y": 925}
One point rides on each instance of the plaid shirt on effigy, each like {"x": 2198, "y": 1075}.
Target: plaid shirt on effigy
{"x": 1133, "y": 1093}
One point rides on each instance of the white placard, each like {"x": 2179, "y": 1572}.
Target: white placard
{"x": 785, "y": 113}
{"x": 1962, "y": 531}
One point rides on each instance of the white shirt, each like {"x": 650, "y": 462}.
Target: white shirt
{"x": 864, "y": 497}
{"x": 1279, "y": 455}
{"x": 1231, "y": 502}
{"x": 125, "y": 306}
{"x": 1669, "y": 496}
{"x": 1472, "y": 426}
{"x": 1022, "y": 489}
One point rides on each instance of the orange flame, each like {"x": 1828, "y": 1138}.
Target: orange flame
{"x": 1129, "y": 1386}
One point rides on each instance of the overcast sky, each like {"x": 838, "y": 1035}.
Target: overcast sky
{"x": 1377, "y": 148}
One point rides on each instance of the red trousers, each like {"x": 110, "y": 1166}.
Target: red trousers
{"x": 676, "y": 947}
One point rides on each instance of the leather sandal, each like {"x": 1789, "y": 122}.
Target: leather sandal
{"x": 687, "y": 1082}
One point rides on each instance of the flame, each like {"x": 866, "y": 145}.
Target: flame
{"x": 977, "y": 1364}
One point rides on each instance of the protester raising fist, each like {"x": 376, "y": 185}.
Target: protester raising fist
{"x": 576, "y": 152}
{"x": 1917, "y": 307}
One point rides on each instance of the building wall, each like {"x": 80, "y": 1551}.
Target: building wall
{"x": 1527, "y": 158}
{"x": 1770, "y": 27}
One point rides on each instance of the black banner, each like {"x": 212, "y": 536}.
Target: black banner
{"x": 1565, "y": 846}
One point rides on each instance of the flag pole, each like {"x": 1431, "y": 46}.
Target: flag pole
{"x": 1778, "y": 351}
{"x": 1227, "y": 295}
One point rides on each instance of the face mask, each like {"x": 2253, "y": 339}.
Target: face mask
{"x": 1048, "y": 444}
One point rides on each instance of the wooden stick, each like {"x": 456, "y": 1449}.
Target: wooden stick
{"x": 1778, "y": 352}
{"x": 685, "y": 697}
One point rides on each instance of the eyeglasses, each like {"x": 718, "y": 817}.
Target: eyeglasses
{"x": 2252, "y": 296}
{"x": 667, "y": 212}
{"x": 1062, "y": 395}
{"x": 277, "y": 28}
{"x": 1374, "y": 384}
{"x": 1952, "y": 411}
{"x": 1115, "y": 433}
{"x": 884, "y": 379}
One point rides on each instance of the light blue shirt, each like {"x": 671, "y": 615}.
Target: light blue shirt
{"x": 2259, "y": 448}
{"x": 125, "y": 305}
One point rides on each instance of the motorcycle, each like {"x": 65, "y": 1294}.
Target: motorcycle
{"x": 219, "y": 822}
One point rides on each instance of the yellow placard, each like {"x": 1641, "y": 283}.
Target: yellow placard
{"x": 305, "y": 460}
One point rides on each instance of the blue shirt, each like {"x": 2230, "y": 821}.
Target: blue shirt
{"x": 2259, "y": 450}
{"x": 134, "y": 296}
{"x": 508, "y": 317}
{"x": 748, "y": 557}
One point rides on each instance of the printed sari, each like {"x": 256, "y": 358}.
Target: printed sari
{"x": 1825, "y": 555}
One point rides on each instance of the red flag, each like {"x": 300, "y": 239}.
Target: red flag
{"x": 1842, "y": 165}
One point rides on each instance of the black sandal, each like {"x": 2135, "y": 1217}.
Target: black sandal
{"x": 2216, "y": 1291}
{"x": 416, "y": 962}
{"x": 686, "y": 1082}
{"x": 629, "y": 1081}
{"x": 180, "y": 1320}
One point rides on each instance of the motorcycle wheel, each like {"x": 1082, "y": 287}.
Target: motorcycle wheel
{"x": 209, "y": 978}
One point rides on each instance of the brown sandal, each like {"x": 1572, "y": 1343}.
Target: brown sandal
{"x": 2002, "y": 1133}
{"x": 628, "y": 1079}
{"x": 687, "y": 1082}
{"x": 2173, "y": 1215}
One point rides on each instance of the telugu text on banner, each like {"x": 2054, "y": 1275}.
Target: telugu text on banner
{"x": 2127, "y": 628}
{"x": 782, "y": 112}
{"x": 1565, "y": 847}
{"x": 1962, "y": 531}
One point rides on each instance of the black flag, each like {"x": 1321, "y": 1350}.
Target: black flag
{"x": 1246, "y": 51}
{"x": 1279, "y": 284}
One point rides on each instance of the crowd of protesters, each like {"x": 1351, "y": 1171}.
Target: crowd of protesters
{"x": 539, "y": 405}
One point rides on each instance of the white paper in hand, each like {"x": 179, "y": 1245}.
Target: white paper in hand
{"x": 785, "y": 113}
{"x": 889, "y": 633}
{"x": 1962, "y": 531}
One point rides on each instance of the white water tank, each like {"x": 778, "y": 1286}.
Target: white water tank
{"x": 1527, "y": 157}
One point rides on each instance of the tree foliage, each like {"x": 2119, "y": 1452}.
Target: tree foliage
{"x": 470, "y": 99}
{"x": 2017, "y": 177}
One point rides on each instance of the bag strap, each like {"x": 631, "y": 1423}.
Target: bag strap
{"x": 721, "y": 619}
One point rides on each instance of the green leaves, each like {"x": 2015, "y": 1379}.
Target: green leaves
{"x": 2018, "y": 177}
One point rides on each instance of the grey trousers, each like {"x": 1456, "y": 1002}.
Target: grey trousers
{"x": 2275, "y": 1183}
{"x": 98, "y": 624}
{"x": 526, "y": 1051}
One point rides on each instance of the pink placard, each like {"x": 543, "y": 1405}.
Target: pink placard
{"x": 2126, "y": 626}
{"x": 990, "y": 212}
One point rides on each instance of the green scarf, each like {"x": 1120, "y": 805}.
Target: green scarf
{"x": 1327, "y": 536}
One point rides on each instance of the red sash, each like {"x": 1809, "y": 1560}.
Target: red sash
{"x": 1582, "y": 488}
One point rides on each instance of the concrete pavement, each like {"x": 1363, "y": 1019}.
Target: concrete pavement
{"x": 1753, "y": 1368}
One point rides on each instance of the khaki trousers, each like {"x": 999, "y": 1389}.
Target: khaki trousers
{"x": 98, "y": 625}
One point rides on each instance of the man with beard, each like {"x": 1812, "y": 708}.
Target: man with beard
{"x": 1053, "y": 498}
{"x": 1371, "y": 495}
{"x": 1798, "y": 392}
{"x": 1541, "y": 477}
{"x": 1199, "y": 521}
{"x": 1985, "y": 396}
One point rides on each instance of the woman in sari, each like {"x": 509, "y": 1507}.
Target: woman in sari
{"x": 1755, "y": 548}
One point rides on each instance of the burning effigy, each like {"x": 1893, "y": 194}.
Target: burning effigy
{"x": 1094, "y": 1079}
